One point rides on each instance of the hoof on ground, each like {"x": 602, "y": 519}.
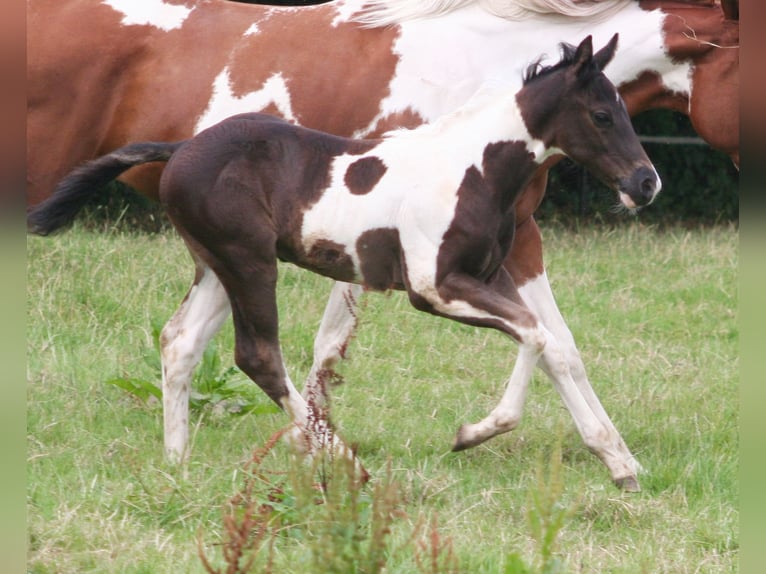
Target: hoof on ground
{"x": 628, "y": 484}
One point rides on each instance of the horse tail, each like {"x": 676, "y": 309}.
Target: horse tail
{"x": 73, "y": 192}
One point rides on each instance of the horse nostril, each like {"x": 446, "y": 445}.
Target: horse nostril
{"x": 648, "y": 187}
{"x": 648, "y": 184}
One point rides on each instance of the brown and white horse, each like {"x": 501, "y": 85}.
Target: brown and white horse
{"x": 430, "y": 211}
{"x": 102, "y": 73}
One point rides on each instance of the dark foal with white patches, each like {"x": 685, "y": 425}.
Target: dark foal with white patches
{"x": 429, "y": 211}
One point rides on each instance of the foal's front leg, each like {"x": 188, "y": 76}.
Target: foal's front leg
{"x": 496, "y": 305}
{"x": 525, "y": 264}
{"x": 338, "y": 326}
{"x": 539, "y": 297}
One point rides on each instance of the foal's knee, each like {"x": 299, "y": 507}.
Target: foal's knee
{"x": 534, "y": 338}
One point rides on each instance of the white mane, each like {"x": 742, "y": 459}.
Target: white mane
{"x": 390, "y": 12}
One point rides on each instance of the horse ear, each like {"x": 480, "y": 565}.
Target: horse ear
{"x": 605, "y": 54}
{"x": 583, "y": 55}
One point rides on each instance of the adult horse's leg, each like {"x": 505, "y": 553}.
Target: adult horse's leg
{"x": 527, "y": 271}
{"x": 182, "y": 343}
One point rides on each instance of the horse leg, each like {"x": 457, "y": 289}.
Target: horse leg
{"x": 182, "y": 342}
{"x": 536, "y": 292}
{"x": 499, "y": 305}
{"x": 251, "y": 292}
{"x": 335, "y": 331}
{"x": 573, "y": 385}
{"x": 338, "y": 325}
{"x": 496, "y": 305}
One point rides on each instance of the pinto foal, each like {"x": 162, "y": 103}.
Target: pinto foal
{"x": 429, "y": 211}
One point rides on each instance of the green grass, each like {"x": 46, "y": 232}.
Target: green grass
{"x": 654, "y": 314}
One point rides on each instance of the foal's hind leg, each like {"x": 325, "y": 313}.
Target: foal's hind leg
{"x": 182, "y": 342}
{"x": 339, "y": 322}
{"x": 251, "y": 289}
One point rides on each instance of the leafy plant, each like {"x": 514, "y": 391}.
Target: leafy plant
{"x": 433, "y": 552}
{"x": 324, "y": 505}
{"x": 214, "y": 388}
{"x": 546, "y": 514}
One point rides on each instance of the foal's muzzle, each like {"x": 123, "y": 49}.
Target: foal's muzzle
{"x": 640, "y": 188}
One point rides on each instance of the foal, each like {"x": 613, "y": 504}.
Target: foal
{"x": 429, "y": 211}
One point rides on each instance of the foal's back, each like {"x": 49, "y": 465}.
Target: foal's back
{"x": 260, "y": 150}
{"x": 249, "y": 179}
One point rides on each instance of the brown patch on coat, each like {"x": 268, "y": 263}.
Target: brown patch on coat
{"x": 330, "y": 258}
{"x": 407, "y": 118}
{"x": 313, "y": 57}
{"x": 480, "y": 235}
{"x": 701, "y": 35}
{"x": 380, "y": 259}
{"x": 364, "y": 174}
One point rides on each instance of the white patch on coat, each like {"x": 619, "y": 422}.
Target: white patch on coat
{"x": 491, "y": 47}
{"x": 252, "y": 30}
{"x": 417, "y": 195}
{"x": 150, "y": 12}
{"x": 225, "y": 103}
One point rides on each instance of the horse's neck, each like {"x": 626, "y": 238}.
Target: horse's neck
{"x": 479, "y": 46}
{"x": 491, "y": 115}
{"x": 493, "y": 46}
{"x": 487, "y": 133}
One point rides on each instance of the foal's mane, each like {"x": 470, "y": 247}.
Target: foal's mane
{"x": 390, "y": 12}
{"x": 536, "y": 69}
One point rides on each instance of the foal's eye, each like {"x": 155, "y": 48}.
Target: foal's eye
{"x": 602, "y": 119}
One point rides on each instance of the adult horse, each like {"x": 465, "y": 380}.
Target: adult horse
{"x": 430, "y": 211}
{"x": 169, "y": 69}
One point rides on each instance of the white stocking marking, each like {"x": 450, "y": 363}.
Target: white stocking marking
{"x": 182, "y": 343}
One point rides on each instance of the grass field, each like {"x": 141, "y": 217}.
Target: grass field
{"x": 654, "y": 314}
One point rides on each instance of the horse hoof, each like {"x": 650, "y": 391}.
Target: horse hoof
{"x": 463, "y": 440}
{"x": 628, "y": 484}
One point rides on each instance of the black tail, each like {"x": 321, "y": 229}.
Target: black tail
{"x": 73, "y": 192}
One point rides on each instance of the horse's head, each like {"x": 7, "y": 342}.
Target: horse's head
{"x": 572, "y": 107}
